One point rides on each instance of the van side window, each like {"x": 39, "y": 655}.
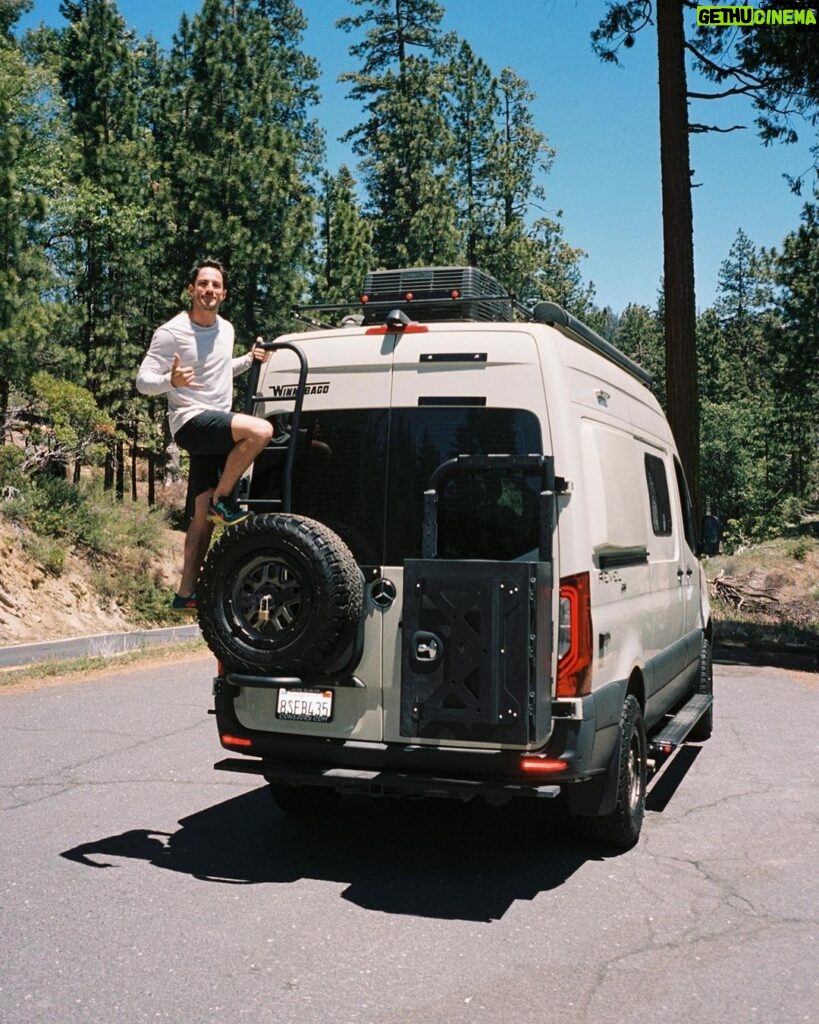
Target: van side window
{"x": 658, "y": 497}
{"x": 687, "y": 507}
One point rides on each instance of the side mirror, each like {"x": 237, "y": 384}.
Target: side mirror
{"x": 711, "y": 535}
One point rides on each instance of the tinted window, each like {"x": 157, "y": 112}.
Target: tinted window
{"x": 687, "y": 507}
{"x": 486, "y": 514}
{"x": 341, "y": 479}
{"x": 658, "y": 497}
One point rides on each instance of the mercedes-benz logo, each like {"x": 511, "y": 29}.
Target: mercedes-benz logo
{"x": 383, "y": 593}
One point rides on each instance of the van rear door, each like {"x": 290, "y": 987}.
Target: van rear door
{"x": 466, "y": 390}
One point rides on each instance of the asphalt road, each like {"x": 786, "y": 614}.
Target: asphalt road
{"x": 139, "y": 886}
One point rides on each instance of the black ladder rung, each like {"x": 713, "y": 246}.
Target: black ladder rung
{"x": 253, "y": 503}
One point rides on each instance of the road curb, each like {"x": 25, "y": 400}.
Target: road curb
{"x": 98, "y": 645}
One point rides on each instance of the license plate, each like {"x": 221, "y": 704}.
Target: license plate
{"x": 305, "y": 705}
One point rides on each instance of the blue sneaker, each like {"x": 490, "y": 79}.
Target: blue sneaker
{"x": 226, "y": 513}
{"x": 184, "y": 605}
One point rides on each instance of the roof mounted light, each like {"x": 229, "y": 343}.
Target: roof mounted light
{"x": 397, "y": 319}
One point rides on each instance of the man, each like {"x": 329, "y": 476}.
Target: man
{"x": 191, "y": 360}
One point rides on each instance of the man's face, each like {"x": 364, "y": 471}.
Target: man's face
{"x": 207, "y": 292}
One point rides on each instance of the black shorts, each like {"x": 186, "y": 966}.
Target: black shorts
{"x": 207, "y": 438}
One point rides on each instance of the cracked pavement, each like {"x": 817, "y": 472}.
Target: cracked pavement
{"x": 139, "y": 885}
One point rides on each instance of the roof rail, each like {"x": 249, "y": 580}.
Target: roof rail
{"x": 556, "y": 316}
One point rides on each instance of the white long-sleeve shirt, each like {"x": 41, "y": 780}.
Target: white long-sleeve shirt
{"x": 209, "y": 350}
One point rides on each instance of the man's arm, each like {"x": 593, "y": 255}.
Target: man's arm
{"x": 243, "y": 363}
{"x": 154, "y": 376}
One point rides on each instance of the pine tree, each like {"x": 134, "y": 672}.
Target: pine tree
{"x": 405, "y": 143}
{"x": 239, "y": 148}
{"x": 108, "y": 224}
{"x": 639, "y": 334}
{"x": 527, "y": 254}
{"x": 794, "y": 353}
{"x": 473, "y": 113}
{"x": 30, "y": 149}
{"x": 345, "y": 246}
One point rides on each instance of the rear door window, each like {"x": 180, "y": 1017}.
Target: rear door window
{"x": 363, "y": 472}
{"x": 485, "y": 514}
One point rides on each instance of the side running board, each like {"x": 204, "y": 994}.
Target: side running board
{"x": 674, "y": 733}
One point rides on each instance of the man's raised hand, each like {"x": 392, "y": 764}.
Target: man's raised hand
{"x": 182, "y": 376}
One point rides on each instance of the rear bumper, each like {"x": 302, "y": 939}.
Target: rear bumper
{"x": 569, "y": 757}
{"x": 385, "y": 782}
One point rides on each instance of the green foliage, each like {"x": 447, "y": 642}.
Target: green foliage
{"x": 799, "y": 548}
{"x": 84, "y": 515}
{"x": 48, "y": 552}
{"x": 131, "y": 587}
{"x": 11, "y": 463}
{"x": 238, "y": 149}
{"x": 54, "y": 508}
{"x": 405, "y": 143}
{"x": 75, "y": 419}
{"x": 345, "y": 241}
{"x": 639, "y": 334}
{"x": 59, "y": 517}
{"x": 759, "y": 370}
{"x": 778, "y": 68}
{"x": 27, "y": 153}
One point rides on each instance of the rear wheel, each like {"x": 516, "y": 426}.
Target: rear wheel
{"x": 704, "y": 727}
{"x": 621, "y": 829}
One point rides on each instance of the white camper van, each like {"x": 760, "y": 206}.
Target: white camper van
{"x": 472, "y": 569}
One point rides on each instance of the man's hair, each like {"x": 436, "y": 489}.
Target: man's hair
{"x": 215, "y": 265}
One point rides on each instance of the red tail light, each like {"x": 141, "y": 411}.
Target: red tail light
{"x": 574, "y": 666}
{"x": 235, "y": 741}
{"x": 543, "y": 765}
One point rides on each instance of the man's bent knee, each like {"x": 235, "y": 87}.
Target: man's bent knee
{"x": 251, "y": 428}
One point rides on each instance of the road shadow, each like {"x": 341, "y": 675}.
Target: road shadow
{"x": 670, "y": 777}
{"x": 431, "y": 858}
{"x": 801, "y": 658}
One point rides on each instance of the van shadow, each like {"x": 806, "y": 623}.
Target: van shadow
{"x": 430, "y": 858}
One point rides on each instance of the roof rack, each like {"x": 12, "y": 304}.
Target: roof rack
{"x": 429, "y": 294}
{"x": 556, "y": 316}
{"x": 434, "y": 294}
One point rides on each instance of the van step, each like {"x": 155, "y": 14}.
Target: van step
{"x": 675, "y": 732}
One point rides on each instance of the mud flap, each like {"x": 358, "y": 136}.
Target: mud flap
{"x": 598, "y": 796}
{"x": 476, "y": 648}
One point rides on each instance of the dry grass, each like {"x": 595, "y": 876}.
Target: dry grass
{"x": 786, "y": 570}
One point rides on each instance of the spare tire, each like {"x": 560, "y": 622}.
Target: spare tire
{"x": 279, "y": 595}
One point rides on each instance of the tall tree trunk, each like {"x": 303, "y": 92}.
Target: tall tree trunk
{"x": 4, "y": 407}
{"x": 110, "y": 457}
{"x": 678, "y": 238}
{"x": 151, "y": 478}
{"x": 120, "y": 471}
{"x": 134, "y": 467}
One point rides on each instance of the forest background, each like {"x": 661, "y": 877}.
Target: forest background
{"x": 121, "y": 164}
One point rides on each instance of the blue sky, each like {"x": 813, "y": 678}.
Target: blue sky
{"x": 602, "y": 120}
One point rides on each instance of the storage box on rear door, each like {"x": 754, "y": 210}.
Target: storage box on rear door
{"x": 469, "y": 650}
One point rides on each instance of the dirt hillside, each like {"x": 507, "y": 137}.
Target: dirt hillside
{"x": 36, "y": 605}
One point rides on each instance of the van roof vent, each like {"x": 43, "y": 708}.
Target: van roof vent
{"x": 436, "y": 293}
